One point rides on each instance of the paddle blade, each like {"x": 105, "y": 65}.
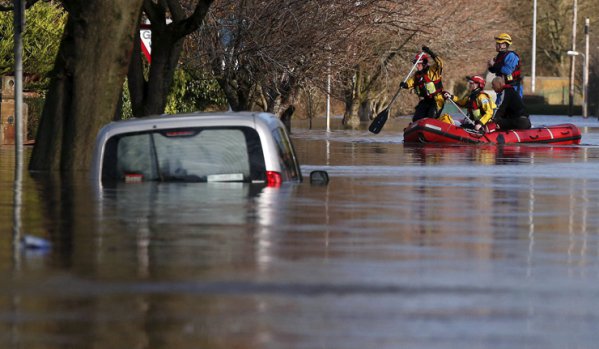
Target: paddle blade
{"x": 379, "y": 121}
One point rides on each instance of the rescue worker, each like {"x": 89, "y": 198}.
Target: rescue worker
{"x": 479, "y": 104}
{"x": 507, "y": 63}
{"x": 427, "y": 83}
{"x": 512, "y": 112}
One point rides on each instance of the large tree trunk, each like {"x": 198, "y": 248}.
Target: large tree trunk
{"x": 350, "y": 115}
{"x": 351, "y": 97}
{"x": 150, "y": 97}
{"x": 166, "y": 50}
{"x": 86, "y": 83}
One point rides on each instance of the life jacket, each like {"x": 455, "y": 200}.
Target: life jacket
{"x": 473, "y": 106}
{"x": 516, "y": 76}
{"x": 425, "y": 87}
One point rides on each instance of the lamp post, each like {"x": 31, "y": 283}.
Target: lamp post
{"x": 328, "y": 110}
{"x": 572, "y": 58}
{"x": 19, "y": 23}
{"x": 329, "y": 96}
{"x": 585, "y": 82}
{"x": 585, "y": 79}
{"x": 534, "y": 47}
{"x": 585, "y": 71}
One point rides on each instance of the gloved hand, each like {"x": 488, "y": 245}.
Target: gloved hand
{"x": 429, "y": 51}
{"x": 447, "y": 95}
{"x": 403, "y": 84}
{"x": 477, "y": 127}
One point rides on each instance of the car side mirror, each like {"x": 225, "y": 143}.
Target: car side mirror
{"x": 319, "y": 177}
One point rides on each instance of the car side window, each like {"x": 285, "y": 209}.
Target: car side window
{"x": 286, "y": 154}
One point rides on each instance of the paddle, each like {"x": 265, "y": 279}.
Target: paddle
{"x": 379, "y": 121}
{"x": 466, "y": 117}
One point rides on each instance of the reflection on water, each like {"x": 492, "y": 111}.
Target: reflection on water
{"x": 408, "y": 246}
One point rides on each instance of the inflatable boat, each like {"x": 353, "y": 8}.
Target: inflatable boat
{"x": 436, "y": 131}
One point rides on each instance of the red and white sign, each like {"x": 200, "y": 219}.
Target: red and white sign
{"x": 145, "y": 33}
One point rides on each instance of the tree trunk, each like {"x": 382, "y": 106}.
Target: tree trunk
{"x": 286, "y": 117}
{"x": 365, "y": 111}
{"x": 165, "y": 56}
{"x": 135, "y": 77}
{"x": 350, "y": 114}
{"x": 87, "y": 79}
{"x": 272, "y": 99}
{"x": 150, "y": 97}
{"x": 237, "y": 89}
{"x": 352, "y": 93}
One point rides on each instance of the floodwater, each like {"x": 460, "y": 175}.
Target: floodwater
{"x": 407, "y": 247}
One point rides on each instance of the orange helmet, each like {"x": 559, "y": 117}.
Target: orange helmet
{"x": 421, "y": 59}
{"x": 480, "y": 81}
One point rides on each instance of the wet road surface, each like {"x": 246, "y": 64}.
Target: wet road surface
{"x": 409, "y": 246}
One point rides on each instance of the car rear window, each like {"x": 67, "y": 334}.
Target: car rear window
{"x": 185, "y": 154}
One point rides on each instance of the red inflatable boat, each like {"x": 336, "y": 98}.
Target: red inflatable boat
{"x": 435, "y": 131}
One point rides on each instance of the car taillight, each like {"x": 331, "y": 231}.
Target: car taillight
{"x": 273, "y": 179}
{"x": 134, "y": 177}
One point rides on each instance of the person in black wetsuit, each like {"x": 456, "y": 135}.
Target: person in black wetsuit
{"x": 511, "y": 114}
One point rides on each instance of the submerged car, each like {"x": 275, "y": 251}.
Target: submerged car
{"x": 197, "y": 147}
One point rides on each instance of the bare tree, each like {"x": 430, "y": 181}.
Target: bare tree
{"x": 385, "y": 34}
{"x": 261, "y": 52}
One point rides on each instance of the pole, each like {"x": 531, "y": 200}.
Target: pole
{"x": 534, "y": 47}
{"x": 585, "y": 74}
{"x": 572, "y": 60}
{"x": 19, "y": 23}
{"x": 329, "y": 99}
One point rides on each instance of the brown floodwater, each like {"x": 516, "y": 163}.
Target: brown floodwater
{"x": 409, "y": 246}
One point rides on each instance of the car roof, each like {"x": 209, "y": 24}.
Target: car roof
{"x": 206, "y": 119}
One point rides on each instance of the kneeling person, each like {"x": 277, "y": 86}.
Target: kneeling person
{"x": 511, "y": 114}
{"x": 479, "y": 104}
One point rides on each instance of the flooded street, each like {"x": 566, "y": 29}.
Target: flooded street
{"x": 409, "y": 246}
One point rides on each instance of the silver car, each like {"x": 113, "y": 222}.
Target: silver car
{"x": 197, "y": 147}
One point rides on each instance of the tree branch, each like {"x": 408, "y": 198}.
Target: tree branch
{"x": 193, "y": 22}
{"x": 155, "y": 12}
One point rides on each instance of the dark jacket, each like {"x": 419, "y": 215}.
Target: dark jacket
{"x": 512, "y": 106}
